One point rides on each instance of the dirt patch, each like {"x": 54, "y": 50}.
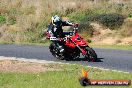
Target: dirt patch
{"x": 111, "y": 37}
{"x": 26, "y": 67}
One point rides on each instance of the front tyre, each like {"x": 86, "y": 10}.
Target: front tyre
{"x": 91, "y": 54}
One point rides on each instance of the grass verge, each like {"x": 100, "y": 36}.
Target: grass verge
{"x": 122, "y": 47}
{"x": 27, "y": 43}
{"x": 65, "y": 78}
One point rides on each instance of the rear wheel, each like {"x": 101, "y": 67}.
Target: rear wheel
{"x": 91, "y": 55}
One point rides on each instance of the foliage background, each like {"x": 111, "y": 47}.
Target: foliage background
{"x": 26, "y": 20}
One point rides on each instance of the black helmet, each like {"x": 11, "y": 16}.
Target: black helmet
{"x": 56, "y": 21}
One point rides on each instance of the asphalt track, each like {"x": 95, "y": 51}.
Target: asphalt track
{"x": 109, "y": 58}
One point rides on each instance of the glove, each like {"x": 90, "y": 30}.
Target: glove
{"x": 75, "y": 25}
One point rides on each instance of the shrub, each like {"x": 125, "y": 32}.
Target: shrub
{"x": 111, "y": 21}
{"x": 2, "y": 19}
{"x": 130, "y": 15}
{"x": 12, "y": 20}
{"x": 69, "y": 11}
{"x": 87, "y": 28}
{"x": 13, "y": 11}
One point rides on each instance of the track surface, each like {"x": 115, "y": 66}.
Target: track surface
{"x": 109, "y": 58}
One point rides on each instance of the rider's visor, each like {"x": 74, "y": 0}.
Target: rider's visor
{"x": 58, "y": 23}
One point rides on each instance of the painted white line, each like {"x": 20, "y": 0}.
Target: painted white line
{"x": 45, "y": 61}
{"x": 25, "y": 59}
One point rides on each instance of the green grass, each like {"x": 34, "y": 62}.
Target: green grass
{"x": 67, "y": 78}
{"x": 122, "y": 47}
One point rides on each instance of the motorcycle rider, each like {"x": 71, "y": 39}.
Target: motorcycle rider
{"x": 55, "y": 30}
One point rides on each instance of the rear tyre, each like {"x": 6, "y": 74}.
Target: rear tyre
{"x": 91, "y": 54}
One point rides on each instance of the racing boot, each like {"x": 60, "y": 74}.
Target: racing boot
{"x": 61, "y": 49}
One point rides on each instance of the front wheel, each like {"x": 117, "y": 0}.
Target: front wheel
{"x": 91, "y": 55}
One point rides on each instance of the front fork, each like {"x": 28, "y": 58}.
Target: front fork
{"x": 84, "y": 52}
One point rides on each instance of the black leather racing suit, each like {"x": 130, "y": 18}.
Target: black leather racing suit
{"x": 58, "y": 33}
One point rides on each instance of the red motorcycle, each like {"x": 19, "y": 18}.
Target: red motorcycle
{"x": 73, "y": 45}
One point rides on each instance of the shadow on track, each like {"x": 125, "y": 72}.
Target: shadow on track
{"x": 83, "y": 59}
